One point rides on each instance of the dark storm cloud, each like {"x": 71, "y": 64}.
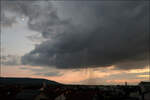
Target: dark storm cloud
{"x": 100, "y": 35}
{"x": 136, "y": 63}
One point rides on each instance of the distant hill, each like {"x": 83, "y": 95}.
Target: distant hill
{"x": 26, "y": 81}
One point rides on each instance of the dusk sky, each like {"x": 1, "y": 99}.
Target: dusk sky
{"x": 76, "y": 42}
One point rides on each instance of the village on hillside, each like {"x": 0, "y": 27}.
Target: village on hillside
{"x": 75, "y": 92}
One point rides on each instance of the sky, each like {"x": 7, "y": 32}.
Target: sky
{"x": 76, "y": 42}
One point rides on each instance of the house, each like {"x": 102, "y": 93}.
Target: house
{"x": 145, "y": 86}
{"x": 31, "y": 95}
{"x": 61, "y": 97}
{"x": 145, "y": 90}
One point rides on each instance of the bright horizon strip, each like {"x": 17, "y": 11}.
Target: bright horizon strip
{"x": 75, "y": 77}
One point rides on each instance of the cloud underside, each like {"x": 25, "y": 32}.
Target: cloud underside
{"x": 98, "y": 36}
{"x": 10, "y": 60}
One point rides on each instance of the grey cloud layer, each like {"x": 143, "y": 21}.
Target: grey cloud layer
{"x": 50, "y": 74}
{"x": 10, "y": 60}
{"x": 100, "y": 35}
